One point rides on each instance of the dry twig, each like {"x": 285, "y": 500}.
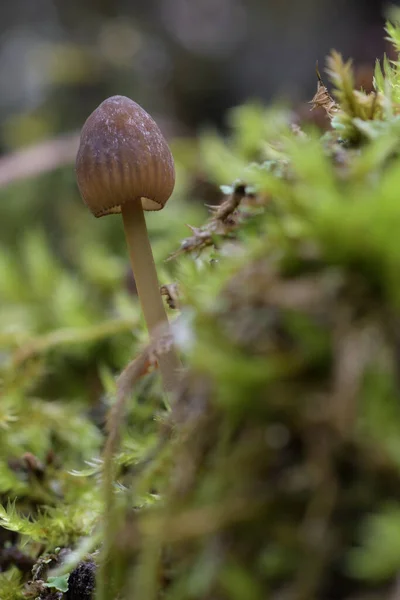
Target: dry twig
{"x": 323, "y": 99}
{"x": 39, "y": 158}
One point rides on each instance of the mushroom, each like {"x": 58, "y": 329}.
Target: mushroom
{"x": 124, "y": 165}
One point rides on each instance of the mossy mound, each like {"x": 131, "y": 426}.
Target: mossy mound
{"x": 275, "y": 473}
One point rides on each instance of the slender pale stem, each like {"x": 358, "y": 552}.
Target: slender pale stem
{"x": 145, "y": 273}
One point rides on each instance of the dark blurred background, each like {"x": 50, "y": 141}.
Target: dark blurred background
{"x": 187, "y": 61}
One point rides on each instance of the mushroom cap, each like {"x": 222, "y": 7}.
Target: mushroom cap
{"x": 123, "y": 157}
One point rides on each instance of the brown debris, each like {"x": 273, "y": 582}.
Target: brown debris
{"x": 223, "y": 211}
{"x": 171, "y": 292}
{"x": 81, "y": 582}
{"x": 225, "y": 219}
{"x": 323, "y": 99}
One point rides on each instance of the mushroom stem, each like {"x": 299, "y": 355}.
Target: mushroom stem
{"x": 145, "y": 273}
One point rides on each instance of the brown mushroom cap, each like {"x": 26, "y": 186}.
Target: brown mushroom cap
{"x": 123, "y": 157}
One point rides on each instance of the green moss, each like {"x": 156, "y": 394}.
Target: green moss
{"x": 276, "y": 469}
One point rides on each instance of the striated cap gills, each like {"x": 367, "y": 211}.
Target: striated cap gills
{"x": 123, "y": 157}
